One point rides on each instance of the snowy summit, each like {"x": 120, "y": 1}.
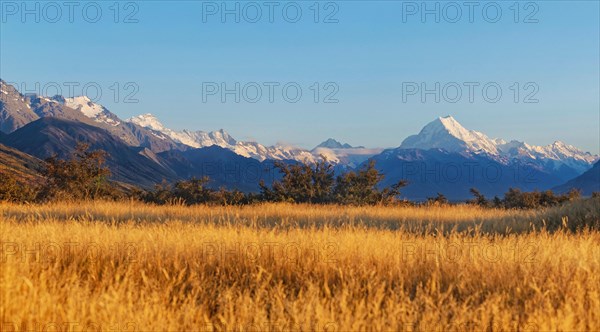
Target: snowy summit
{"x": 448, "y": 134}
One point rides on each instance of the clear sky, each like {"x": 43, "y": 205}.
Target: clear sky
{"x": 374, "y": 53}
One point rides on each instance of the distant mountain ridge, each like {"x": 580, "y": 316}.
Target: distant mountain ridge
{"x": 331, "y": 143}
{"x": 144, "y": 151}
{"x": 446, "y": 133}
{"x": 17, "y": 110}
{"x": 343, "y": 153}
{"x": 334, "y": 151}
{"x": 199, "y": 139}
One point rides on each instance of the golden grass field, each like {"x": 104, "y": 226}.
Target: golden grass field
{"x": 282, "y": 267}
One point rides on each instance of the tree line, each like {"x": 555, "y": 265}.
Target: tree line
{"x": 85, "y": 176}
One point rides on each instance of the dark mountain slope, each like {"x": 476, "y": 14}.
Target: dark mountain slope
{"x": 224, "y": 167}
{"x": 20, "y": 165}
{"x": 453, "y": 174}
{"x": 53, "y": 136}
{"x": 587, "y": 182}
{"x": 15, "y": 111}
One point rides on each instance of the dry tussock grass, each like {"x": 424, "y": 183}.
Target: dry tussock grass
{"x": 129, "y": 266}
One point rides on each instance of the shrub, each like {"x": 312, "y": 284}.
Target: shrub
{"x": 301, "y": 183}
{"x": 192, "y": 191}
{"x": 361, "y": 188}
{"x": 515, "y": 198}
{"x": 315, "y": 183}
{"x": 479, "y": 198}
{"x": 439, "y": 200}
{"x": 84, "y": 176}
{"x": 12, "y": 190}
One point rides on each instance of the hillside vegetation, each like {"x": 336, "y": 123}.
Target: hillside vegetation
{"x": 16, "y": 164}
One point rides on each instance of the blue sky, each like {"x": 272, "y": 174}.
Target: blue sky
{"x": 171, "y": 48}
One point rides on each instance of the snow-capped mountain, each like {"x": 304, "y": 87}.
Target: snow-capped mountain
{"x": 82, "y": 109}
{"x": 351, "y": 157}
{"x": 447, "y": 158}
{"x": 448, "y": 134}
{"x": 195, "y": 139}
{"x": 557, "y": 151}
{"x": 200, "y": 139}
{"x": 17, "y": 110}
{"x": 333, "y": 150}
{"x": 331, "y": 143}
{"x": 90, "y": 109}
{"x": 343, "y": 153}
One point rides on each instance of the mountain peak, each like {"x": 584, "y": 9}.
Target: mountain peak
{"x": 561, "y": 150}
{"x": 331, "y": 143}
{"x": 447, "y": 118}
{"x": 81, "y": 103}
{"x": 147, "y": 120}
{"x": 195, "y": 139}
{"x": 448, "y": 134}
{"x": 451, "y": 126}
{"x": 222, "y": 136}
{"x": 147, "y": 116}
{"x": 80, "y": 99}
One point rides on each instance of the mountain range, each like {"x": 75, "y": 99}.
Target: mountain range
{"x": 200, "y": 139}
{"x": 443, "y": 157}
{"x": 446, "y": 133}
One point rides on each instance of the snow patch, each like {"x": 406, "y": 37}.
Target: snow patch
{"x": 85, "y": 106}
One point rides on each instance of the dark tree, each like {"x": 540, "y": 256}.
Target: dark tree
{"x": 83, "y": 176}
{"x": 361, "y": 188}
{"x": 479, "y": 198}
